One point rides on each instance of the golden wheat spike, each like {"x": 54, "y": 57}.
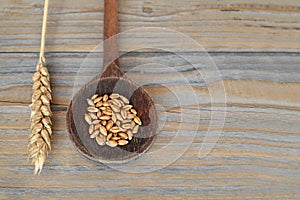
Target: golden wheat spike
{"x": 40, "y": 129}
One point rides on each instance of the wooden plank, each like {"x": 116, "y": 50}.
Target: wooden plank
{"x": 240, "y": 73}
{"x": 17, "y": 117}
{"x": 233, "y": 166}
{"x": 260, "y": 146}
{"x": 268, "y": 25}
{"x": 237, "y": 192}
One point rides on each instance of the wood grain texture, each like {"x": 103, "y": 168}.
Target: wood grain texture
{"x": 255, "y": 48}
{"x": 110, "y": 31}
{"x": 236, "y": 25}
{"x": 256, "y": 156}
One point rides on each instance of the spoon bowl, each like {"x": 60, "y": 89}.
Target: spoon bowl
{"x": 138, "y": 97}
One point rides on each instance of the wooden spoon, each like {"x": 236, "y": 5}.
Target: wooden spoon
{"x": 112, "y": 80}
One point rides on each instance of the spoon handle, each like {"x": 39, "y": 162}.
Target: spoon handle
{"x": 110, "y": 46}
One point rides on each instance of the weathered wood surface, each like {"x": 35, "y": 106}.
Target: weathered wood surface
{"x": 236, "y": 25}
{"x": 257, "y": 155}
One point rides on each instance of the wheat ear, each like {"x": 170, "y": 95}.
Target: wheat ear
{"x": 41, "y": 131}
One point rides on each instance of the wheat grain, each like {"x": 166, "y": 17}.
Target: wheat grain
{"x": 130, "y": 116}
{"x": 126, "y": 126}
{"x": 116, "y": 138}
{"x": 105, "y": 117}
{"x": 97, "y": 126}
{"x": 127, "y": 107}
{"x": 98, "y": 99}
{"x": 97, "y": 121}
{"x": 109, "y": 136}
{"x": 90, "y": 102}
{"x": 92, "y": 109}
{"x": 105, "y": 97}
{"x": 114, "y": 96}
{"x": 118, "y": 123}
{"x": 93, "y": 116}
{"x": 137, "y": 120}
{"x": 88, "y": 118}
{"x": 107, "y": 112}
{"x": 115, "y": 108}
{"x": 129, "y": 134}
{"x": 123, "y": 113}
{"x": 99, "y": 114}
{"x": 95, "y": 134}
{"x": 102, "y": 108}
{"x": 104, "y": 123}
{"x": 91, "y": 129}
{"x": 112, "y": 143}
{"x": 135, "y": 129}
{"x": 115, "y": 129}
{"x": 123, "y": 135}
{"x": 122, "y": 142}
{"x": 124, "y": 99}
{"x": 116, "y": 102}
{"x": 101, "y": 140}
{"x": 99, "y": 104}
{"x": 103, "y": 130}
{"x": 133, "y": 111}
{"x": 94, "y": 96}
{"x": 109, "y": 125}
{"x": 119, "y": 117}
{"x": 113, "y": 118}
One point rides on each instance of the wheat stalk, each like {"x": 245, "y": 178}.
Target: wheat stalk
{"x": 41, "y": 131}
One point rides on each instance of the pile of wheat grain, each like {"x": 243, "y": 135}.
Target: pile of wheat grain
{"x": 112, "y": 120}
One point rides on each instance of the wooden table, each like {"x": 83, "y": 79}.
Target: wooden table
{"x": 255, "y": 46}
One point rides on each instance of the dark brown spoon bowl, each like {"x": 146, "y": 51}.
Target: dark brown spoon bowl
{"x": 138, "y": 97}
